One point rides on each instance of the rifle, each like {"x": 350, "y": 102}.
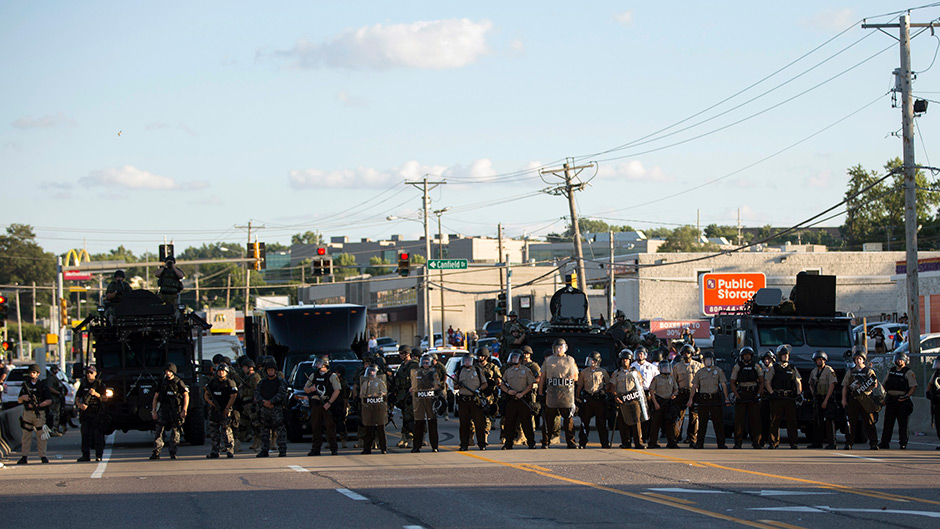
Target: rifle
{"x": 478, "y": 398}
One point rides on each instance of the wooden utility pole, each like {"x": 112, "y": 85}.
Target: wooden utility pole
{"x": 903, "y": 79}
{"x": 426, "y": 186}
{"x": 570, "y": 173}
{"x": 499, "y": 235}
{"x": 610, "y": 280}
{"x": 248, "y": 266}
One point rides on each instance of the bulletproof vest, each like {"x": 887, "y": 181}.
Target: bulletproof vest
{"x": 171, "y": 391}
{"x": 89, "y": 400}
{"x": 169, "y": 282}
{"x": 747, "y": 373}
{"x": 783, "y": 378}
{"x": 514, "y": 377}
{"x": 321, "y": 382}
{"x": 268, "y": 388}
{"x": 470, "y": 378}
{"x": 897, "y": 381}
{"x": 220, "y": 390}
{"x": 424, "y": 381}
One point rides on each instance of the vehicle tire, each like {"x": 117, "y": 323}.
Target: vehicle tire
{"x": 295, "y": 433}
{"x": 194, "y": 429}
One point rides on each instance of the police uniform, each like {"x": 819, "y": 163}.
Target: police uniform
{"x": 746, "y": 378}
{"x": 663, "y": 391}
{"x": 249, "y": 426}
{"x": 593, "y": 383}
{"x": 92, "y": 417}
{"x": 857, "y": 385}
{"x": 170, "y": 397}
{"x": 683, "y": 373}
{"x": 170, "y": 283}
{"x": 533, "y": 395}
{"x": 425, "y": 386}
{"x": 820, "y": 380}
{"x": 707, "y": 388}
{"x": 373, "y": 396}
{"x": 559, "y": 372}
{"x": 34, "y": 418}
{"x": 404, "y": 401}
{"x": 509, "y": 340}
{"x": 220, "y": 430}
{"x": 627, "y": 386}
{"x": 518, "y": 407}
{"x": 468, "y": 384}
{"x": 324, "y": 385}
{"x": 58, "y": 391}
{"x": 274, "y": 391}
{"x": 898, "y": 405}
{"x": 933, "y": 397}
{"x": 784, "y": 379}
{"x": 493, "y": 376}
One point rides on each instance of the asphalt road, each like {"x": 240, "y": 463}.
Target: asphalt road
{"x": 523, "y": 488}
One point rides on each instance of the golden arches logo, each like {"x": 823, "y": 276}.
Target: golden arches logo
{"x": 77, "y": 255}
{"x": 219, "y": 317}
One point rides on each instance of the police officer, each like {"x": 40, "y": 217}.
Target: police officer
{"x": 373, "y": 396}
{"x": 493, "y": 376}
{"x": 425, "y": 386}
{"x": 663, "y": 393}
{"x": 900, "y": 384}
{"x": 440, "y": 405}
{"x": 621, "y": 330}
{"x": 220, "y": 395}
{"x": 322, "y": 389}
{"x": 709, "y": 390}
{"x": 683, "y": 371}
{"x": 249, "y": 426}
{"x": 58, "y": 391}
{"x": 784, "y": 386}
{"x": 857, "y": 387}
{"x": 170, "y": 281}
{"x": 89, "y": 400}
{"x": 626, "y": 386}
{"x": 36, "y": 398}
{"x": 557, "y": 383}
{"x": 470, "y": 383}
{"x": 403, "y": 397}
{"x": 170, "y": 402}
{"x": 270, "y": 395}
{"x": 746, "y": 381}
{"x": 536, "y": 370}
{"x": 766, "y": 361}
{"x": 933, "y": 395}
{"x": 592, "y": 389}
{"x": 822, "y": 384}
{"x": 513, "y": 334}
{"x": 518, "y": 383}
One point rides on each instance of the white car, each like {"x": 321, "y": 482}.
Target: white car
{"x": 929, "y": 345}
{"x": 889, "y": 330}
{"x": 387, "y": 345}
{"x": 14, "y": 382}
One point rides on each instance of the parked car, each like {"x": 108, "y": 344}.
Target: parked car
{"x": 890, "y": 330}
{"x": 18, "y": 375}
{"x": 437, "y": 341}
{"x": 387, "y": 345}
{"x": 492, "y": 329}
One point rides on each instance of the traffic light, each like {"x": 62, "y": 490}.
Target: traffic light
{"x": 256, "y": 252}
{"x": 3, "y": 310}
{"x": 404, "y": 264}
{"x": 323, "y": 267}
{"x": 501, "y": 303}
{"x": 166, "y": 250}
{"x": 7, "y": 345}
{"x": 572, "y": 279}
{"x": 64, "y": 312}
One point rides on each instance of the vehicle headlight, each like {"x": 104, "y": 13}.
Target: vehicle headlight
{"x": 108, "y": 393}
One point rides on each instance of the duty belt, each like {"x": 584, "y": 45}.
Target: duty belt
{"x": 748, "y": 385}
{"x": 708, "y": 397}
{"x": 784, "y": 394}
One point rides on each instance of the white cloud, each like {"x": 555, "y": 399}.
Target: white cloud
{"x": 832, "y": 19}
{"x": 433, "y": 45}
{"x": 625, "y": 18}
{"x": 45, "y": 122}
{"x": 130, "y": 177}
{"x": 819, "y": 180}
{"x": 361, "y": 177}
{"x": 633, "y": 170}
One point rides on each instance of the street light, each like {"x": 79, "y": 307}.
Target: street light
{"x": 440, "y": 255}
{"x": 427, "y": 290}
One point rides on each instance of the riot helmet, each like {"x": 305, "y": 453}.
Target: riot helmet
{"x": 426, "y": 360}
{"x": 619, "y": 314}
{"x": 708, "y": 359}
{"x": 119, "y": 274}
{"x": 515, "y": 358}
{"x": 820, "y": 354}
{"x": 861, "y": 354}
{"x": 526, "y": 350}
{"x": 901, "y": 357}
{"x": 322, "y": 362}
{"x": 371, "y": 372}
{"x": 467, "y": 361}
{"x": 686, "y": 350}
{"x": 640, "y": 353}
{"x": 34, "y": 368}
{"x": 483, "y": 352}
{"x": 665, "y": 368}
{"x": 746, "y": 351}
{"x": 560, "y": 346}
{"x": 512, "y": 314}
{"x": 593, "y": 359}
{"x": 768, "y": 355}
{"x": 248, "y": 363}
{"x": 625, "y": 355}
{"x": 171, "y": 367}
{"x": 784, "y": 348}
{"x": 221, "y": 368}
{"x": 657, "y": 356}
{"x": 218, "y": 359}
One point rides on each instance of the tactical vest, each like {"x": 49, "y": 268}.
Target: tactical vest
{"x": 171, "y": 391}
{"x": 321, "y": 382}
{"x": 268, "y": 388}
{"x": 897, "y": 381}
{"x": 169, "y": 282}
{"x": 783, "y": 378}
{"x": 747, "y": 373}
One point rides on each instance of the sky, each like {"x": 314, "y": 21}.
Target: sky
{"x": 127, "y": 123}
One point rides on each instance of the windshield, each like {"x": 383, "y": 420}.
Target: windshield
{"x": 147, "y": 355}
{"x": 385, "y": 341}
{"x": 774, "y": 334}
{"x": 828, "y": 336}
{"x": 315, "y": 330}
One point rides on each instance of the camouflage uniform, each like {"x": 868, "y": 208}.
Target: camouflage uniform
{"x": 403, "y": 400}
{"x": 273, "y": 390}
{"x": 218, "y": 392}
{"x": 493, "y": 380}
{"x": 169, "y": 416}
{"x": 510, "y": 341}
{"x": 54, "y": 419}
{"x": 249, "y": 425}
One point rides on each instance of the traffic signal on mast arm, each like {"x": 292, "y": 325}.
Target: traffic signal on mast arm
{"x": 572, "y": 279}
{"x": 3, "y": 310}
{"x": 7, "y": 345}
{"x": 501, "y": 303}
{"x": 322, "y": 263}
{"x": 256, "y": 252}
{"x": 404, "y": 263}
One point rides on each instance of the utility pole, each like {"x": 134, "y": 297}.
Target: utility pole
{"x": 440, "y": 255}
{"x": 423, "y": 185}
{"x": 60, "y": 293}
{"x": 247, "y": 266}
{"x": 508, "y": 286}
{"x": 570, "y": 173}
{"x": 903, "y": 82}
{"x": 610, "y": 281}
{"x": 499, "y": 258}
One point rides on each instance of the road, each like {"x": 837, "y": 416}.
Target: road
{"x": 522, "y": 488}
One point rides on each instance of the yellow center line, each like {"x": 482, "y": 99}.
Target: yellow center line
{"x": 821, "y": 484}
{"x": 670, "y": 498}
{"x": 670, "y": 502}
{"x": 783, "y": 525}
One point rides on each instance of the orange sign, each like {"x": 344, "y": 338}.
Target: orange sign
{"x": 672, "y": 329}
{"x": 729, "y": 291}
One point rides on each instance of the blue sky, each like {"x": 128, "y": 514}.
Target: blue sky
{"x": 311, "y": 115}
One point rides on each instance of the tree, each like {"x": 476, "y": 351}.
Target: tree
{"x": 379, "y": 270}
{"x": 686, "y": 239}
{"x": 344, "y": 260}
{"x": 22, "y": 260}
{"x": 728, "y": 232}
{"x": 307, "y": 237}
{"x": 658, "y": 233}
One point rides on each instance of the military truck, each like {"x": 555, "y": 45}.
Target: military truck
{"x": 132, "y": 341}
{"x": 568, "y": 307}
{"x": 768, "y": 320}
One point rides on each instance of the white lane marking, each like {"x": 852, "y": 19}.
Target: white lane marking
{"x": 351, "y": 495}
{"x": 692, "y": 491}
{"x": 859, "y": 457}
{"x": 412, "y": 527}
{"x": 782, "y": 492}
{"x": 297, "y": 468}
{"x": 825, "y": 508}
{"x": 99, "y": 470}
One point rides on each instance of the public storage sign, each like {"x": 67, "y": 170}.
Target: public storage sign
{"x": 672, "y": 329}
{"x": 729, "y": 291}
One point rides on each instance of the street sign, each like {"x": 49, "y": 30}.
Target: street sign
{"x": 729, "y": 291}
{"x": 75, "y": 275}
{"x": 447, "y": 264}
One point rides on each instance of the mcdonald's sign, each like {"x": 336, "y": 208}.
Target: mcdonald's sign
{"x": 77, "y": 256}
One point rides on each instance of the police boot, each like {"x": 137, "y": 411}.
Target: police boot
{"x": 263, "y": 453}
{"x": 155, "y": 455}
{"x": 22, "y": 461}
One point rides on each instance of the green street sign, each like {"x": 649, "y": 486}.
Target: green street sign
{"x": 447, "y": 264}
